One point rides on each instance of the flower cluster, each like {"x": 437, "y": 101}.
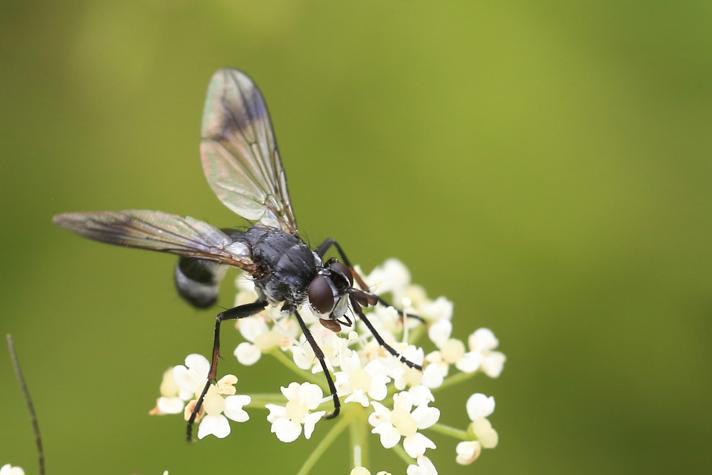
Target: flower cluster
{"x": 380, "y": 394}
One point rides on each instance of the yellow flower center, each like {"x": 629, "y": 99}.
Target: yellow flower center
{"x": 296, "y": 411}
{"x": 214, "y": 402}
{"x": 403, "y": 422}
{"x": 452, "y": 351}
{"x": 360, "y": 379}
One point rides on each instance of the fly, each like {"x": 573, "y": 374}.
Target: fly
{"x": 243, "y": 167}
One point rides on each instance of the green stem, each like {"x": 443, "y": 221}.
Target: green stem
{"x": 455, "y": 379}
{"x": 325, "y": 443}
{"x": 282, "y": 358}
{"x": 259, "y": 401}
{"x": 414, "y": 334}
{"x": 450, "y": 431}
{"x": 358, "y": 430}
{"x": 404, "y": 456}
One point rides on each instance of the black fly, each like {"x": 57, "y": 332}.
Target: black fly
{"x": 242, "y": 164}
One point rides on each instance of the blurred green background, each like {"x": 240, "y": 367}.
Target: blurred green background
{"x": 546, "y": 165}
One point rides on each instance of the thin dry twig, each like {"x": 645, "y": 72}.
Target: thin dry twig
{"x": 28, "y": 400}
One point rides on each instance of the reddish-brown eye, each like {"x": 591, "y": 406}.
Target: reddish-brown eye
{"x": 320, "y": 294}
{"x": 337, "y": 266}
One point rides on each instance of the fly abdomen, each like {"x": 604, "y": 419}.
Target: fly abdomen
{"x": 198, "y": 281}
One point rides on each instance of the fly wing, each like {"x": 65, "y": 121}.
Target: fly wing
{"x": 239, "y": 152}
{"x": 159, "y": 231}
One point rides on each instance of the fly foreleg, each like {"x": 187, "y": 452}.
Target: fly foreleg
{"x": 324, "y": 248}
{"x": 235, "y": 313}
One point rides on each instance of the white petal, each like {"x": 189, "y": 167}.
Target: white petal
{"x": 247, "y": 353}
{"x": 479, "y": 406}
{"x": 286, "y": 430}
{"x": 403, "y": 401}
{"x": 482, "y": 340}
{"x": 275, "y": 412}
{"x": 439, "y": 309}
{"x": 8, "y": 469}
{"x": 291, "y": 392}
{"x": 493, "y": 364}
{"x": 215, "y": 425}
{"x": 389, "y": 435}
{"x": 360, "y": 471}
{"x": 234, "y": 407}
{"x": 197, "y": 363}
{"x": 303, "y": 356}
{"x": 487, "y": 436}
{"x": 424, "y": 467}
{"x": 421, "y": 395}
{"x": 379, "y": 388}
{"x": 311, "y": 395}
{"x": 251, "y": 328}
{"x": 379, "y": 415}
{"x": 433, "y": 375}
{"x": 391, "y": 276}
{"x": 416, "y": 444}
{"x": 357, "y": 396}
{"x": 425, "y": 416}
{"x": 168, "y": 405}
{"x": 469, "y": 363}
{"x": 440, "y": 332}
{"x": 467, "y": 452}
{"x": 310, "y": 421}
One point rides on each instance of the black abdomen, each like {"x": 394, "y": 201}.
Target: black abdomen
{"x": 198, "y": 281}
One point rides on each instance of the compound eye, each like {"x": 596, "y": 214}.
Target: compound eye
{"x": 320, "y": 294}
{"x": 340, "y": 268}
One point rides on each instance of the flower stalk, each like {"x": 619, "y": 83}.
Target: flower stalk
{"x": 325, "y": 443}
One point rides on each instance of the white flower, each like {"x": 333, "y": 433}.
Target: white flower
{"x": 437, "y": 310}
{"x": 287, "y": 420}
{"x": 222, "y": 403}
{"x": 403, "y": 376}
{"x": 8, "y": 469}
{"x": 404, "y": 421}
{"x": 450, "y": 351}
{"x": 440, "y": 331}
{"x": 479, "y": 407}
{"x": 390, "y": 277}
{"x": 424, "y": 467}
{"x": 361, "y": 382}
{"x": 488, "y": 437}
{"x": 467, "y": 452}
{"x": 481, "y": 355}
{"x": 170, "y": 401}
{"x": 192, "y": 377}
{"x": 331, "y": 344}
{"x": 262, "y": 338}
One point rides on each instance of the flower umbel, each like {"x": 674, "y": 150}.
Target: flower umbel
{"x": 379, "y": 394}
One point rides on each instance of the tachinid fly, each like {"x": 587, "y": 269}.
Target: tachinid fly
{"x": 243, "y": 167}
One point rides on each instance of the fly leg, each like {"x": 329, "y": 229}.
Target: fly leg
{"x": 320, "y": 356}
{"x": 235, "y": 313}
{"x": 322, "y": 250}
{"x": 357, "y": 308}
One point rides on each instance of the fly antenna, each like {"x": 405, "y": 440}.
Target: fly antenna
{"x": 28, "y": 400}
